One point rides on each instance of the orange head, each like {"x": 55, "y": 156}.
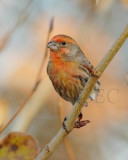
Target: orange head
{"x": 63, "y": 46}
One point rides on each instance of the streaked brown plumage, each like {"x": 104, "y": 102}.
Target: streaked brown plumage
{"x": 69, "y": 69}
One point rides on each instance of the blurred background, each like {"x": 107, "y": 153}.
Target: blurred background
{"x": 95, "y": 25}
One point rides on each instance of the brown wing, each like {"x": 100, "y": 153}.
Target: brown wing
{"x": 86, "y": 65}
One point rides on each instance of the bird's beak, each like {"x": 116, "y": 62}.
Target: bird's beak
{"x": 52, "y": 45}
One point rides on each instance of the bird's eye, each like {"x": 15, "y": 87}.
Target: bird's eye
{"x": 63, "y": 43}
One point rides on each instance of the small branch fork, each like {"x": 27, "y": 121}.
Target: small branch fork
{"x": 70, "y": 120}
{"x": 38, "y": 80}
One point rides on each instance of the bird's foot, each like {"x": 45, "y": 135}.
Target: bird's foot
{"x": 79, "y": 124}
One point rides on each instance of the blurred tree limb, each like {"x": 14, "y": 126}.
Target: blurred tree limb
{"x": 53, "y": 144}
{"x": 21, "y": 18}
{"x": 38, "y": 80}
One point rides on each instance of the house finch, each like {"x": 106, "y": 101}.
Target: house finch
{"x": 69, "y": 70}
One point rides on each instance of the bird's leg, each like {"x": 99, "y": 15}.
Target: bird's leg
{"x": 80, "y": 116}
{"x": 79, "y": 123}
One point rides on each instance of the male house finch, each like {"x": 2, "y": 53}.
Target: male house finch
{"x": 69, "y": 69}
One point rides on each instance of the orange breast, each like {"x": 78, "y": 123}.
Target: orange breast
{"x": 64, "y": 78}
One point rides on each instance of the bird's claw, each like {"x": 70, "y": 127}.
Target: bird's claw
{"x": 79, "y": 124}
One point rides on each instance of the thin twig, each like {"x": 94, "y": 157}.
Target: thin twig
{"x": 38, "y": 80}
{"x": 53, "y": 144}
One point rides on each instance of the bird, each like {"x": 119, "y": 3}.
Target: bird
{"x": 69, "y": 69}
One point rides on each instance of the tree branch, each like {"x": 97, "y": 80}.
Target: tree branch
{"x": 66, "y": 140}
{"x": 38, "y": 80}
{"x": 53, "y": 144}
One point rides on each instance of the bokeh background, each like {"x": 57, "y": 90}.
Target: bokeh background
{"x": 95, "y": 25}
